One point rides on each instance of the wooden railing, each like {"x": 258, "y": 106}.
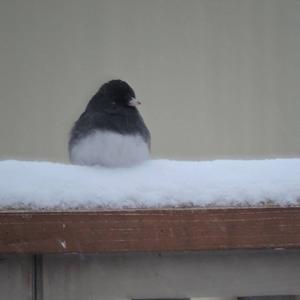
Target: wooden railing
{"x": 149, "y": 230}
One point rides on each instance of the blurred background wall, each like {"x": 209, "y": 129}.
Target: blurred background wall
{"x": 217, "y": 78}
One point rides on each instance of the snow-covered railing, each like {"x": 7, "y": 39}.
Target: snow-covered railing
{"x": 168, "y": 211}
{"x": 149, "y": 230}
{"x": 160, "y": 205}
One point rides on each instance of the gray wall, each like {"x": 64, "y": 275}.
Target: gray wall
{"x": 171, "y": 276}
{"x": 16, "y": 277}
{"x": 219, "y": 275}
{"x": 217, "y": 78}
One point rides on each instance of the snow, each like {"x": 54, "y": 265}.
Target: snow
{"x": 153, "y": 184}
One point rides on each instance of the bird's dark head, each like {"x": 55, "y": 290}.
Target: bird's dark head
{"x": 115, "y": 94}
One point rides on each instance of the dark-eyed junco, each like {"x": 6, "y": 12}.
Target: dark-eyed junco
{"x": 110, "y": 132}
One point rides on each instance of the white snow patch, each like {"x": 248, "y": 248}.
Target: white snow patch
{"x": 63, "y": 244}
{"x": 153, "y": 184}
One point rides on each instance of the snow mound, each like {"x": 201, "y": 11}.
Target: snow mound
{"x": 153, "y": 184}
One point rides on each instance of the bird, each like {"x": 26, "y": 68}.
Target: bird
{"x": 110, "y": 132}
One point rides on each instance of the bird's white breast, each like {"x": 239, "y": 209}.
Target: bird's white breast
{"x": 109, "y": 149}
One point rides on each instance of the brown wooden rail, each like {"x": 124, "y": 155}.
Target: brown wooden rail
{"x": 149, "y": 230}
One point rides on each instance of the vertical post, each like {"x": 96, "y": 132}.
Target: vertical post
{"x": 37, "y": 275}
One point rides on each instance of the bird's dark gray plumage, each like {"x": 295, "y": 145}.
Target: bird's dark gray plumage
{"x": 111, "y": 131}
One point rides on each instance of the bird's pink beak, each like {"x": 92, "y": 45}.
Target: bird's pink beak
{"x": 133, "y": 102}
